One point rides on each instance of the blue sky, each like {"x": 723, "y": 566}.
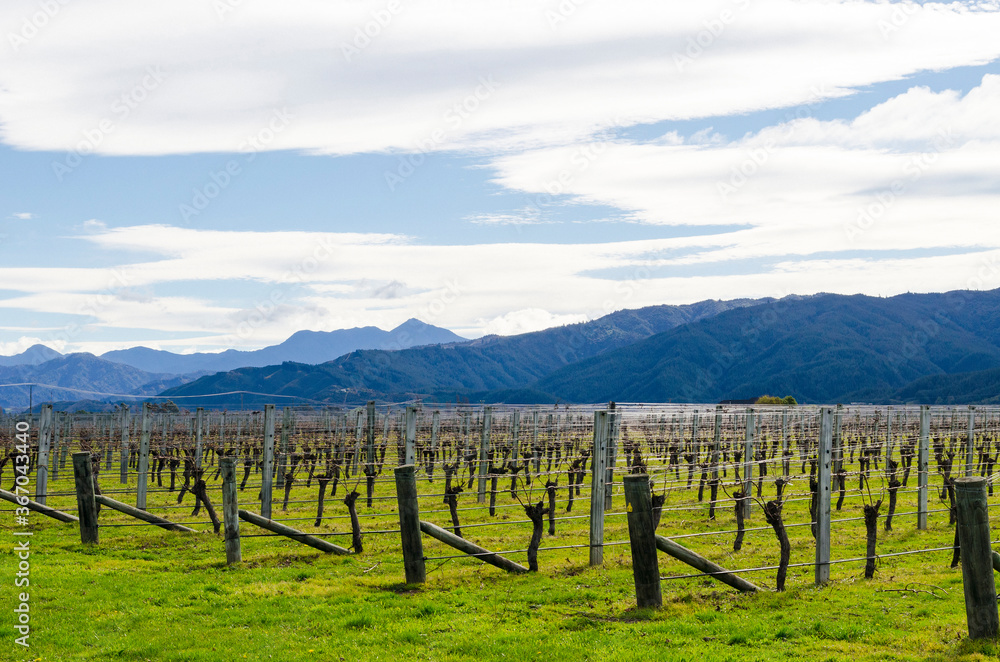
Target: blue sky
{"x": 197, "y": 176}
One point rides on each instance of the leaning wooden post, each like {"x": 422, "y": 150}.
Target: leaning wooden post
{"x": 484, "y": 453}
{"x": 824, "y": 461}
{"x": 409, "y": 524}
{"x": 44, "y": 442}
{"x": 230, "y": 511}
{"x": 645, "y": 564}
{"x": 123, "y": 469}
{"x": 598, "y": 474}
{"x": 267, "y": 463}
{"x": 923, "y": 465}
{"x": 85, "y": 503}
{"x": 977, "y": 558}
{"x": 142, "y": 476}
{"x": 410, "y": 448}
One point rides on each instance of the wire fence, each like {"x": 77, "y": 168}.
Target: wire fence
{"x": 711, "y": 469}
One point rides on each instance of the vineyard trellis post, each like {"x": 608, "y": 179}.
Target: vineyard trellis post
{"x": 484, "y": 450}
{"x": 748, "y": 463}
{"x": 642, "y": 540}
{"x": 44, "y": 440}
{"x": 143, "y": 465}
{"x": 717, "y": 449}
{"x": 923, "y": 465}
{"x": 784, "y": 443}
{"x": 598, "y": 476}
{"x": 971, "y": 443}
{"x": 370, "y": 458}
{"x": 612, "y": 459}
{"x": 410, "y": 450}
{"x": 230, "y": 511}
{"x": 409, "y": 524}
{"x": 823, "y": 493}
{"x": 977, "y": 558}
{"x": 85, "y": 504}
{"x": 267, "y": 463}
{"x": 123, "y": 470}
{"x": 286, "y": 424}
{"x": 199, "y": 423}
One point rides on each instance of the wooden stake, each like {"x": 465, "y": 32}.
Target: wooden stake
{"x": 977, "y": 558}
{"x": 267, "y": 463}
{"x": 598, "y": 468}
{"x": 645, "y": 564}
{"x": 463, "y": 545}
{"x": 85, "y": 503}
{"x": 231, "y": 511}
{"x": 409, "y": 524}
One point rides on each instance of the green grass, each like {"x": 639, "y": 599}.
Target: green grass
{"x": 145, "y": 594}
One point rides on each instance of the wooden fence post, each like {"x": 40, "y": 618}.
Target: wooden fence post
{"x": 645, "y": 564}
{"x": 484, "y": 453}
{"x": 199, "y": 424}
{"x": 410, "y": 450}
{"x": 823, "y": 493}
{"x": 44, "y": 443}
{"x": 230, "y": 511}
{"x": 85, "y": 503}
{"x": 267, "y": 463}
{"x": 748, "y": 462}
{"x": 970, "y": 447}
{"x": 784, "y": 444}
{"x": 123, "y": 469}
{"x": 142, "y": 467}
{"x": 370, "y": 460}
{"x": 409, "y": 524}
{"x": 923, "y": 465}
{"x": 598, "y": 476}
{"x": 611, "y": 436}
{"x": 977, "y": 558}
{"x": 286, "y": 424}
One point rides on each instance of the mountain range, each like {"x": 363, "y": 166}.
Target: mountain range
{"x": 826, "y": 348}
{"x": 823, "y": 349}
{"x": 144, "y": 371}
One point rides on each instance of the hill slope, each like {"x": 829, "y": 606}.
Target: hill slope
{"x": 827, "y": 348}
{"x": 86, "y": 373}
{"x": 486, "y": 364}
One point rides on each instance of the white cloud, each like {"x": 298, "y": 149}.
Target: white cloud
{"x": 527, "y": 216}
{"x": 806, "y": 186}
{"x": 524, "y": 321}
{"x": 24, "y": 342}
{"x": 23, "y": 216}
{"x": 608, "y": 63}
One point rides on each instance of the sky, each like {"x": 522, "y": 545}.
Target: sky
{"x": 196, "y": 175}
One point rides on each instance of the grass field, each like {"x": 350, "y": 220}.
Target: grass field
{"x": 146, "y": 594}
